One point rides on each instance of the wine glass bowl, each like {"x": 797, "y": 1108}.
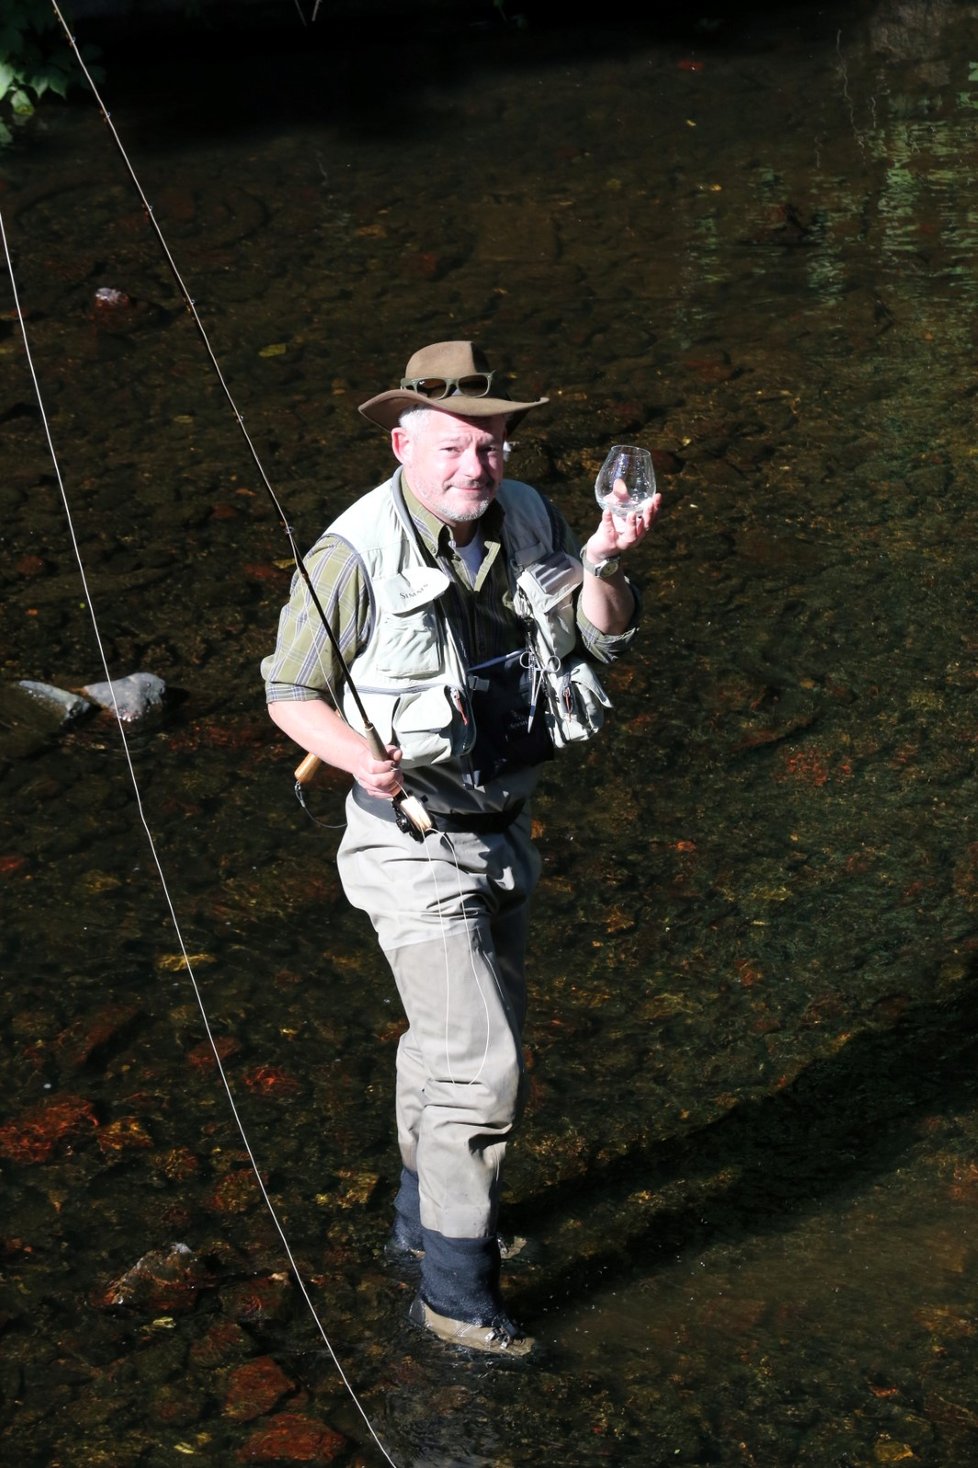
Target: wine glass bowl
{"x": 626, "y": 479}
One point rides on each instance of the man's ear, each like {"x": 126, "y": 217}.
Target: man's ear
{"x": 401, "y": 443}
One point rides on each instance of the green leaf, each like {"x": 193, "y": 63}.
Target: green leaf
{"x": 50, "y": 79}
{"x": 6, "y": 136}
{"x": 20, "y": 104}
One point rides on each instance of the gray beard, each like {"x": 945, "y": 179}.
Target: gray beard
{"x": 476, "y": 513}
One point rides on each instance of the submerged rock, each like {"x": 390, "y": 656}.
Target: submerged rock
{"x": 255, "y": 1388}
{"x": 131, "y": 697}
{"x": 60, "y": 703}
{"x": 55, "y": 1125}
{"x": 292, "y": 1437}
{"x": 167, "y": 1279}
{"x": 107, "y": 298}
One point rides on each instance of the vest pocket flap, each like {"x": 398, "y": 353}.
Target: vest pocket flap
{"x": 550, "y": 581}
{"x": 414, "y": 587}
{"x": 428, "y": 709}
{"x": 406, "y": 647}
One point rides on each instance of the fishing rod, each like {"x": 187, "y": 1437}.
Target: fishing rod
{"x": 411, "y": 814}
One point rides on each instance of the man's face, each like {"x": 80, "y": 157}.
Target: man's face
{"x": 453, "y": 465}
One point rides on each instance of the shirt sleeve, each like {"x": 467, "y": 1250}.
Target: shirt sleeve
{"x": 305, "y": 664}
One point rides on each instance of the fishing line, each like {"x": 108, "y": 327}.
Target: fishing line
{"x": 156, "y": 857}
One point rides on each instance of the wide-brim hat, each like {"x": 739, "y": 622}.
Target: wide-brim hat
{"x": 451, "y": 377}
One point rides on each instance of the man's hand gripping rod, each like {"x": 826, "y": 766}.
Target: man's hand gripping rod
{"x": 410, "y": 814}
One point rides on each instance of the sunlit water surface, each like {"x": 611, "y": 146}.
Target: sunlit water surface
{"x": 748, "y": 1174}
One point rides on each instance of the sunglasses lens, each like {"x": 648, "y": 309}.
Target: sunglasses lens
{"x": 475, "y": 386}
{"x": 431, "y": 387}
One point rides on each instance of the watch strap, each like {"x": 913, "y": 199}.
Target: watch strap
{"x": 601, "y": 569}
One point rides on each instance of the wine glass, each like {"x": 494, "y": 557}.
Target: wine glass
{"x": 626, "y": 479}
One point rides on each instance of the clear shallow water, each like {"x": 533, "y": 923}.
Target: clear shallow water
{"x": 747, "y": 1169}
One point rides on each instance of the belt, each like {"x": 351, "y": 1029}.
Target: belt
{"x": 490, "y": 822}
{"x": 478, "y": 823}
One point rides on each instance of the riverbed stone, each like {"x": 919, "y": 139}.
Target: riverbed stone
{"x": 133, "y": 697}
{"x": 59, "y": 705}
{"x": 254, "y": 1388}
{"x": 515, "y": 228}
{"x": 292, "y": 1437}
{"x": 168, "y": 1279}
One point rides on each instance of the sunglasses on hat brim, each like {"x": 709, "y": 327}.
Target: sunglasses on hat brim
{"x": 474, "y": 385}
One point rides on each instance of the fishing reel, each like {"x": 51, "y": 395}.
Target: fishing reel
{"x": 411, "y": 816}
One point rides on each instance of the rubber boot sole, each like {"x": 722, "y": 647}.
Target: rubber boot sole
{"x": 495, "y": 1340}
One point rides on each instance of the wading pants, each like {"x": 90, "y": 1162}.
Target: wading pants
{"x": 451, "y": 917}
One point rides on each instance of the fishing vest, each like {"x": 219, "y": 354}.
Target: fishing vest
{"x": 412, "y": 676}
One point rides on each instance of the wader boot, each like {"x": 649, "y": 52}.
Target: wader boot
{"x": 460, "y": 1300}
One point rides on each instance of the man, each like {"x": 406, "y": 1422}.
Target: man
{"x": 461, "y": 606}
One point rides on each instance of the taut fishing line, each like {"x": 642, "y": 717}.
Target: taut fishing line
{"x": 297, "y": 1273}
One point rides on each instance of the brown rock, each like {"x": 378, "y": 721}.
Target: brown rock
{"x": 254, "y": 1388}
{"x": 291, "y": 1437}
{"x": 257, "y": 1299}
{"x": 221, "y": 1344}
{"x": 54, "y": 1125}
{"x": 235, "y": 1193}
{"x": 164, "y": 1281}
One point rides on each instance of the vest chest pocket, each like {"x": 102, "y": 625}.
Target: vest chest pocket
{"x": 408, "y": 634}
{"x": 408, "y": 647}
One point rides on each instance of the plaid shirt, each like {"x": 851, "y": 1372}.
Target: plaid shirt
{"x": 480, "y": 612}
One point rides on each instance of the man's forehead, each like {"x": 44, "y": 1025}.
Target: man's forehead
{"x": 450, "y": 426}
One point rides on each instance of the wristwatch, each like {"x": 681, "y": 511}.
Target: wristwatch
{"x": 602, "y": 569}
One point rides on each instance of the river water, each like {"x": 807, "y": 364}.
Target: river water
{"x": 749, "y": 1172}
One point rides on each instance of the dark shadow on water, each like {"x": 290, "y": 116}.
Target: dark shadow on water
{"x": 846, "y": 1119}
{"x": 366, "y": 67}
